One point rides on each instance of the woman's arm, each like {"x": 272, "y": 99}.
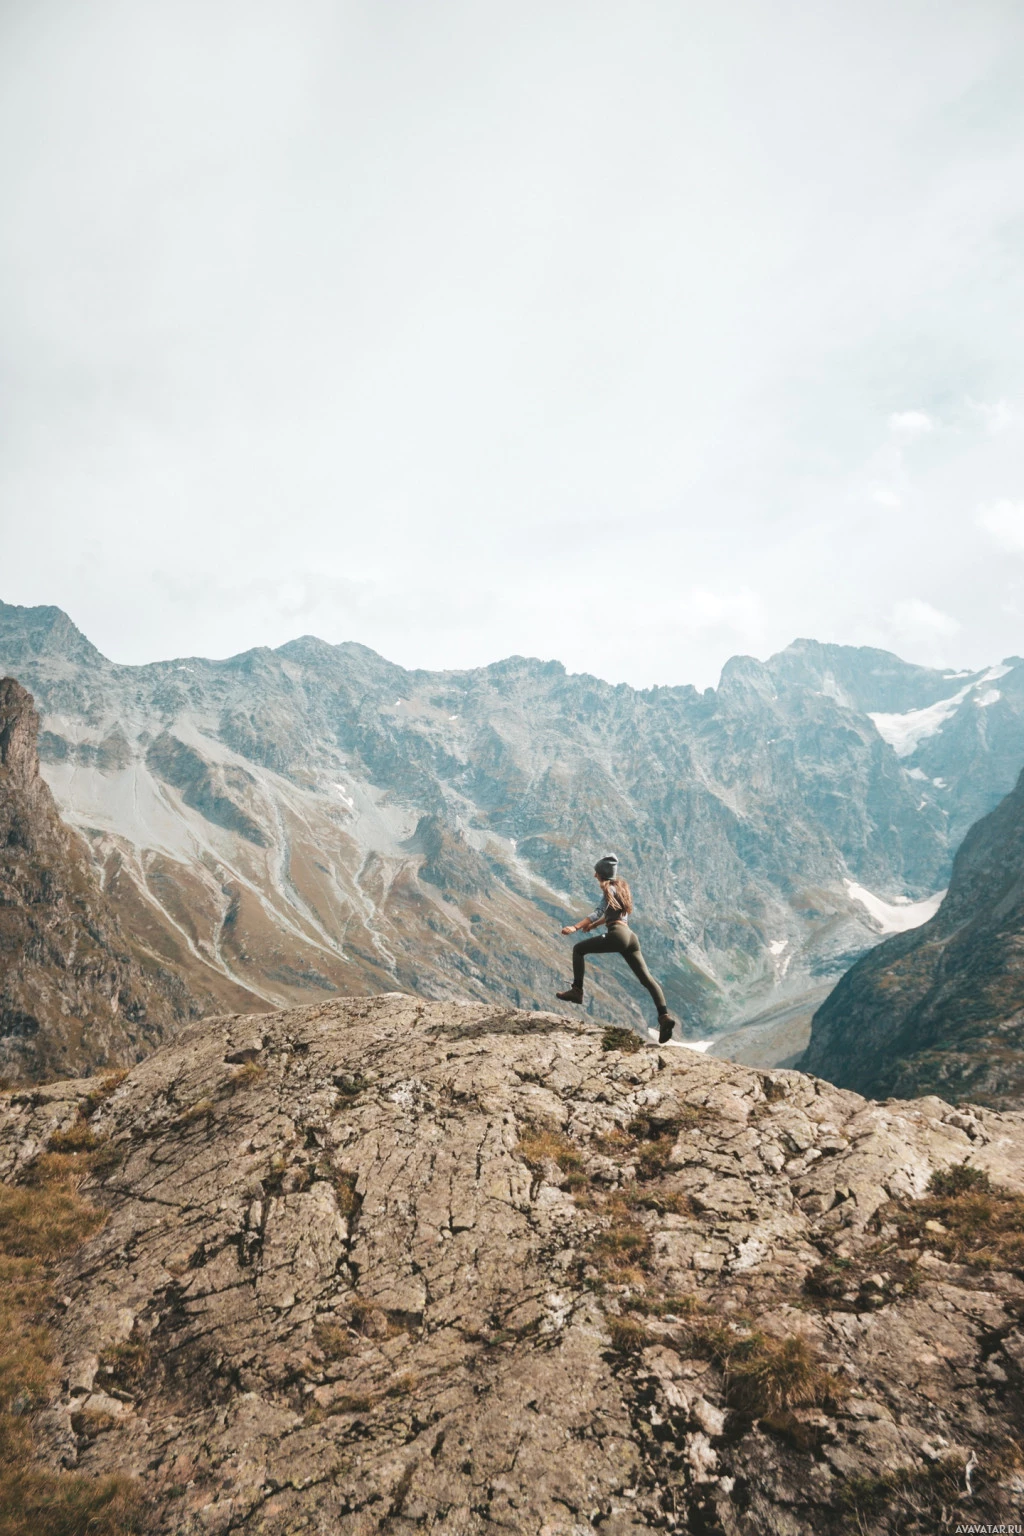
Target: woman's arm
{"x": 595, "y": 920}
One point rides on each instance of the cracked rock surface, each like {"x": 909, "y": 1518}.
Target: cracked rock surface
{"x": 336, "y": 1294}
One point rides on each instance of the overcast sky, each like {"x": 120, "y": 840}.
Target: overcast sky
{"x": 632, "y": 334}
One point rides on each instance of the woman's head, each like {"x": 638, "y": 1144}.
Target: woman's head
{"x": 616, "y": 890}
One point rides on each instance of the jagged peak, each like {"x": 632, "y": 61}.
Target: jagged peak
{"x": 45, "y": 631}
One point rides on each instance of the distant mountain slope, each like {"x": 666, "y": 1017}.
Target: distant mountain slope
{"x": 76, "y": 994}
{"x": 315, "y": 818}
{"x": 941, "y": 1009}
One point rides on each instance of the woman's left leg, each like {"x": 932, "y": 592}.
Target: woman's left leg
{"x": 633, "y": 957}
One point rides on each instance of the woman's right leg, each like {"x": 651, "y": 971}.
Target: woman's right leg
{"x": 600, "y": 945}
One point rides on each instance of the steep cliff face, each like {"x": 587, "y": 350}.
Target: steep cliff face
{"x": 293, "y": 822}
{"x": 941, "y": 1009}
{"x": 75, "y": 995}
{"x": 392, "y": 1266}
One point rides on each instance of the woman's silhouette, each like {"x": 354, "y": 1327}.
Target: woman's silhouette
{"x": 618, "y": 940}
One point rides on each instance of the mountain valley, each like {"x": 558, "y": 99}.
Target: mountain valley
{"x": 940, "y": 1009}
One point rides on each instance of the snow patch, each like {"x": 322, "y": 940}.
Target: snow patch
{"x": 917, "y": 773}
{"x": 905, "y": 732}
{"x": 897, "y": 916}
{"x": 692, "y": 1045}
{"x": 777, "y": 946}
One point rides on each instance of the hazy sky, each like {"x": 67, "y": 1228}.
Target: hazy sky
{"x": 634, "y": 334}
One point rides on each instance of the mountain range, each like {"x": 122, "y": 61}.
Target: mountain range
{"x": 286, "y": 824}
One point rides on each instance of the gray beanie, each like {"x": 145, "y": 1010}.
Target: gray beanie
{"x": 605, "y": 868}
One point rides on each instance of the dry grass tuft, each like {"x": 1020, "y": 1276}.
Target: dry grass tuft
{"x": 907, "y": 1496}
{"x": 649, "y": 1141}
{"x": 537, "y": 1147}
{"x": 345, "y": 1194}
{"x": 622, "y": 1250}
{"x": 672, "y": 1305}
{"x": 104, "y": 1088}
{"x": 764, "y": 1375}
{"x": 249, "y": 1072}
{"x": 909, "y": 1492}
{"x": 628, "y": 1336}
{"x": 39, "y": 1503}
{"x": 198, "y": 1111}
{"x": 333, "y": 1342}
{"x": 616, "y": 1039}
{"x": 372, "y": 1321}
{"x": 126, "y": 1365}
{"x": 44, "y": 1221}
{"x": 973, "y": 1221}
{"x": 353, "y": 1402}
{"x": 79, "y": 1137}
{"x": 403, "y": 1385}
{"x": 41, "y": 1224}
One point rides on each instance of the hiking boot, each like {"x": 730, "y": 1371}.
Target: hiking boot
{"x": 666, "y": 1024}
{"x": 574, "y": 995}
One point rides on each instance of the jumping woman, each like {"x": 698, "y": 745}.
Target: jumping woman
{"x": 618, "y": 940}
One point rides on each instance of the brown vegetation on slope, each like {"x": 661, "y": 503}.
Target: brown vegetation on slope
{"x": 76, "y": 994}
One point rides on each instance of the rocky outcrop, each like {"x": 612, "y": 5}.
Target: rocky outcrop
{"x": 387, "y": 1265}
{"x": 75, "y": 994}
{"x": 941, "y": 1009}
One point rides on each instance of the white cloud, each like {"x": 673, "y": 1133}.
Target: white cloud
{"x": 911, "y": 423}
{"x": 511, "y": 336}
{"x": 994, "y": 415}
{"x": 1004, "y": 520}
{"x": 914, "y": 618}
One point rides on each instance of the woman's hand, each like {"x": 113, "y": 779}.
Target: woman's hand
{"x": 568, "y": 930}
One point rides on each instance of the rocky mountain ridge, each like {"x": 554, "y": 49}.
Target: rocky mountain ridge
{"x": 289, "y": 823}
{"x": 387, "y": 1265}
{"x": 941, "y": 1009}
{"x": 76, "y": 992}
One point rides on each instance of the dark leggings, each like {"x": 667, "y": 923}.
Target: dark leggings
{"x": 619, "y": 940}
